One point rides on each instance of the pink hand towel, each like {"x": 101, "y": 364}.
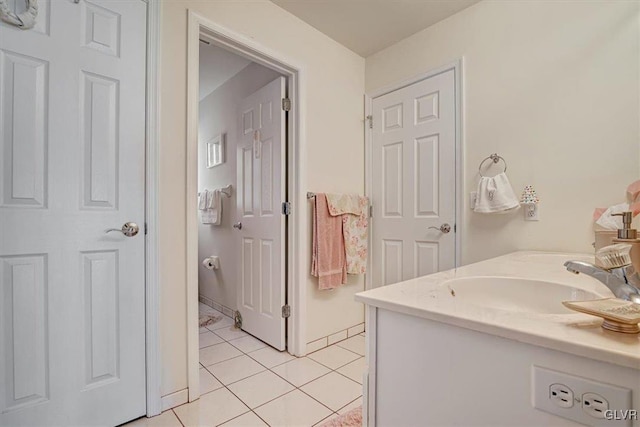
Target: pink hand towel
{"x": 328, "y": 261}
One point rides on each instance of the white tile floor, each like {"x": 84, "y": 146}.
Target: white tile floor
{"x": 244, "y": 382}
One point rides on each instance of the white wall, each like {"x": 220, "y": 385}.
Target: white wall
{"x": 219, "y": 114}
{"x": 334, "y": 157}
{"x": 553, "y": 88}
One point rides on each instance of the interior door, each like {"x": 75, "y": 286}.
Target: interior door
{"x": 261, "y": 226}
{"x": 413, "y": 180}
{"x": 72, "y": 114}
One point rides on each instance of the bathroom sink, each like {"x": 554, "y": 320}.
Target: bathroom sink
{"x": 515, "y": 294}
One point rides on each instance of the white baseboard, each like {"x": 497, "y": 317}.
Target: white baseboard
{"x": 227, "y": 311}
{"x": 175, "y": 399}
{"x": 334, "y": 338}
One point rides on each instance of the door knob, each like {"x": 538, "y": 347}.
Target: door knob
{"x": 444, "y": 228}
{"x": 129, "y": 229}
{"x": 238, "y": 225}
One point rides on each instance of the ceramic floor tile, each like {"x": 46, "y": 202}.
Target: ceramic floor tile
{"x": 247, "y": 344}
{"x": 321, "y": 422}
{"x": 271, "y": 357}
{"x": 355, "y": 344}
{"x": 301, "y": 371}
{"x": 231, "y": 333}
{"x": 208, "y": 382}
{"x": 203, "y": 330}
{"x": 261, "y": 388}
{"x": 233, "y": 370}
{"x": 209, "y": 338}
{"x": 166, "y": 419}
{"x": 205, "y": 309}
{"x": 293, "y": 409}
{"x": 224, "y": 322}
{"x": 333, "y": 357}
{"x": 350, "y": 406}
{"x": 211, "y": 409}
{"x": 247, "y": 420}
{"x": 333, "y": 390}
{"x": 218, "y": 353}
{"x": 354, "y": 370}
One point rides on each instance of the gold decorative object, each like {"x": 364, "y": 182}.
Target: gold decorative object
{"x": 619, "y": 315}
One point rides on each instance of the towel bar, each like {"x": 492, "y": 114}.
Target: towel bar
{"x": 311, "y": 195}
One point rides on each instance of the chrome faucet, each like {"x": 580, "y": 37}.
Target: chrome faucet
{"x": 622, "y": 281}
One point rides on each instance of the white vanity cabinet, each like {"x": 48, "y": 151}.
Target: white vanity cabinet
{"x": 433, "y": 361}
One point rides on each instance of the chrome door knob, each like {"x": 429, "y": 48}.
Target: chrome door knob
{"x": 444, "y": 228}
{"x": 129, "y": 229}
{"x": 238, "y": 225}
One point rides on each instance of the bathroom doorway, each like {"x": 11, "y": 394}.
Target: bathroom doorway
{"x": 241, "y": 185}
{"x": 242, "y": 157}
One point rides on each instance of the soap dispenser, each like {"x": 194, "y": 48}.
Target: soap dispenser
{"x": 626, "y": 234}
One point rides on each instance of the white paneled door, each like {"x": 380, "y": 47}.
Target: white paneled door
{"x": 413, "y": 176}
{"x": 261, "y": 224}
{"x": 72, "y": 138}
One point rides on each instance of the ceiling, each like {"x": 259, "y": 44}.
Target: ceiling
{"x": 368, "y": 26}
{"x": 216, "y": 67}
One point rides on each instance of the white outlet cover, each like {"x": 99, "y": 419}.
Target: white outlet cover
{"x": 618, "y": 398}
{"x": 531, "y": 212}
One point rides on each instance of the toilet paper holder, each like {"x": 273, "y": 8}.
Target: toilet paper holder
{"x": 211, "y": 263}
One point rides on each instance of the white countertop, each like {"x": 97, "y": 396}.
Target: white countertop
{"x": 431, "y": 298}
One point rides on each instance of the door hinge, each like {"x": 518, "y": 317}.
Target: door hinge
{"x": 370, "y": 211}
{"x": 455, "y": 228}
{"x": 286, "y": 208}
{"x": 286, "y": 104}
{"x": 286, "y": 311}
{"x": 145, "y": 228}
{"x": 370, "y": 120}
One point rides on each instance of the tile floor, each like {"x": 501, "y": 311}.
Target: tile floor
{"x": 244, "y": 382}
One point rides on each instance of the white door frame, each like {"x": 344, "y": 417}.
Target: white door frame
{"x": 456, "y": 66}
{"x": 200, "y": 27}
{"x": 152, "y": 266}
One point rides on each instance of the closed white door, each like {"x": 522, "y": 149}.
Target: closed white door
{"x": 72, "y": 115}
{"x": 261, "y": 191}
{"x": 413, "y": 180}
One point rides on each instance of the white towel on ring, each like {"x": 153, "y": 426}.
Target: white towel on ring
{"x": 202, "y": 200}
{"x": 495, "y": 195}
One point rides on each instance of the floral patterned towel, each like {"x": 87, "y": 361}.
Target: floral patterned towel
{"x": 355, "y": 223}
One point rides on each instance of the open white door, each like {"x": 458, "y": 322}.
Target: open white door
{"x": 72, "y": 144}
{"x": 414, "y": 180}
{"x": 261, "y": 223}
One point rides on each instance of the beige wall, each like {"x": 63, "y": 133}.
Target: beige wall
{"x": 553, "y": 87}
{"x": 334, "y": 84}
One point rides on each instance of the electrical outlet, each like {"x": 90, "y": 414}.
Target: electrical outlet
{"x": 561, "y": 395}
{"x": 473, "y": 198}
{"x": 531, "y": 212}
{"x": 592, "y": 403}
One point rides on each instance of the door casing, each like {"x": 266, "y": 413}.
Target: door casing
{"x": 200, "y": 27}
{"x": 456, "y": 66}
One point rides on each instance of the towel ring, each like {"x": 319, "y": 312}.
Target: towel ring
{"x": 495, "y": 158}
